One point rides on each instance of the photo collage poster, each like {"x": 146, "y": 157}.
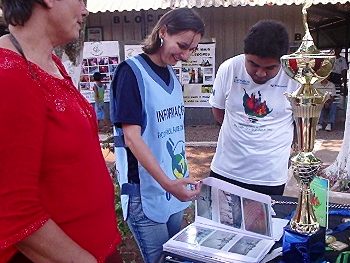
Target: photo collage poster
{"x": 196, "y": 75}
{"x": 100, "y": 57}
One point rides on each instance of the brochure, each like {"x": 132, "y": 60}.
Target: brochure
{"x": 232, "y": 224}
{"x": 320, "y": 199}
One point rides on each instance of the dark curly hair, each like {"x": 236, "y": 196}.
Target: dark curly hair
{"x": 267, "y": 38}
{"x": 18, "y": 12}
{"x": 176, "y": 21}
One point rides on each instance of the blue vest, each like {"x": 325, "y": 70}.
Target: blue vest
{"x": 163, "y": 131}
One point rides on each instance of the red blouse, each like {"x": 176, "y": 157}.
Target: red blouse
{"x": 51, "y": 165}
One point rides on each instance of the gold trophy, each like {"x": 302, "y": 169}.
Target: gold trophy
{"x": 307, "y": 66}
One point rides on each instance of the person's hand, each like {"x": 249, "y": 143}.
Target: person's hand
{"x": 179, "y": 188}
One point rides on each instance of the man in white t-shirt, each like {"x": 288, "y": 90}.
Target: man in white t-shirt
{"x": 249, "y": 101}
{"x": 329, "y": 110}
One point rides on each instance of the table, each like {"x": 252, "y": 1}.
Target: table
{"x": 283, "y": 207}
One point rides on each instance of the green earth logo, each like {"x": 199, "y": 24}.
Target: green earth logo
{"x": 178, "y": 159}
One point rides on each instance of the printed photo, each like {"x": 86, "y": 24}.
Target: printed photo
{"x": 92, "y": 61}
{"x": 85, "y": 62}
{"x": 256, "y": 216}
{"x": 218, "y": 239}
{"x": 112, "y": 67}
{"x": 84, "y": 78}
{"x": 245, "y": 246}
{"x": 204, "y": 201}
{"x": 84, "y": 86}
{"x": 207, "y": 89}
{"x": 208, "y": 78}
{"x": 113, "y": 60}
{"x": 230, "y": 209}
{"x": 208, "y": 71}
{"x": 93, "y": 69}
{"x": 103, "y": 69}
{"x": 84, "y": 70}
{"x": 194, "y": 235}
{"x": 102, "y": 60}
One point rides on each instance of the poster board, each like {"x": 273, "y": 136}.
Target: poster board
{"x": 196, "y": 75}
{"x": 100, "y": 57}
{"x": 232, "y": 224}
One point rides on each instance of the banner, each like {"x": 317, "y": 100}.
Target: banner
{"x": 100, "y": 57}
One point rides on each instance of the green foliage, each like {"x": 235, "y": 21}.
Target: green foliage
{"x": 122, "y": 225}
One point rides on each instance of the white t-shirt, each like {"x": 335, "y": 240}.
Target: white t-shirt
{"x": 339, "y": 65}
{"x": 257, "y": 131}
{"x": 329, "y": 87}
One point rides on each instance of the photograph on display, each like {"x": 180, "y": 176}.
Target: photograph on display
{"x": 218, "y": 239}
{"x": 230, "y": 209}
{"x": 256, "y": 217}
{"x": 245, "y": 246}
{"x": 204, "y": 201}
{"x": 194, "y": 235}
{"x": 223, "y": 210}
{"x": 113, "y": 60}
{"x": 207, "y": 89}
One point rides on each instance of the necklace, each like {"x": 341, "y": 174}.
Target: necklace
{"x": 19, "y": 48}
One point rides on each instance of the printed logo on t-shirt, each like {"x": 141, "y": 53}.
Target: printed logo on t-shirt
{"x": 241, "y": 81}
{"x": 178, "y": 159}
{"x": 254, "y": 107}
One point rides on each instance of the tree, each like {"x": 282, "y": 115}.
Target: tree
{"x": 339, "y": 171}
{"x": 72, "y": 55}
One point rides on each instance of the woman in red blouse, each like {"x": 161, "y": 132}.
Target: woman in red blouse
{"x": 56, "y": 196}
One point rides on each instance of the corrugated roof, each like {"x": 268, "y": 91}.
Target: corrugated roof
{"x": 95, "y": 6}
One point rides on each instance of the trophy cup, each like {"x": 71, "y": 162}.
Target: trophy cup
{"x": 303, "y": 239}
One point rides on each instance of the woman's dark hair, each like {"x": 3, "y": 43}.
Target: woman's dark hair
{"x": 267, "y": 38}
{"x": 18, "y": 12}
{"x": 175, "y": 21}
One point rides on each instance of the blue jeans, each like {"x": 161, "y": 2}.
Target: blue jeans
{"x": 149, "y": 235}
{"x": 330, "y": 113}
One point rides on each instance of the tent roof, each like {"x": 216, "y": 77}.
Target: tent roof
{"x": 95, "y": 6}
{"x": 330, "y": 25}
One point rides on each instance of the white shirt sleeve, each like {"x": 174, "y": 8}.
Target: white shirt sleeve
{"x": 221, "y": 85}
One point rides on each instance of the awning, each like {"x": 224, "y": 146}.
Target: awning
{"x": 95, "y": 6}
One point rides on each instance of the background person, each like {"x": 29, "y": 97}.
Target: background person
{"x": 147, "y": 110}
{"x": 257, "y": 126}
{"x": 99, "y": 92}
{"x": 56, "y": 195}
{"x": 329, "y": 110}
{"x": 339, "y": 73}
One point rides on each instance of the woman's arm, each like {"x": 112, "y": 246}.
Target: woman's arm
{"x": 133, "y": 140}
{"x": 49, "y": 244}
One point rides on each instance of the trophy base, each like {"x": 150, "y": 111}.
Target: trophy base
{"x": 302, "y": 247}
